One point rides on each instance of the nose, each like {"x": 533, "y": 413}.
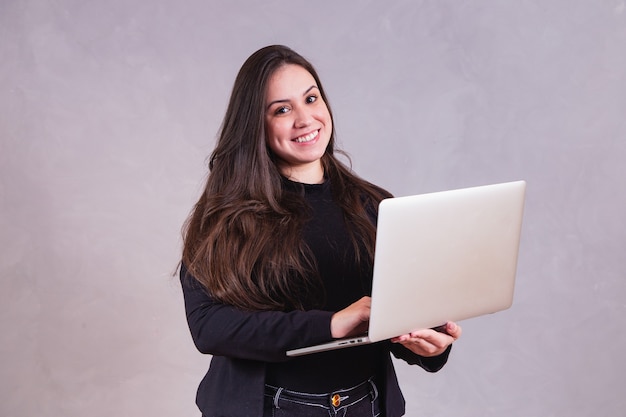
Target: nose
{"x": 302, "y": 118}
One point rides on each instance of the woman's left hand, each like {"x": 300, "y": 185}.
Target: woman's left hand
{"x": 430, "y": 342}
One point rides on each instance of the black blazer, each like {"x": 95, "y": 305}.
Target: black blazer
{"x": 242, "y": 342}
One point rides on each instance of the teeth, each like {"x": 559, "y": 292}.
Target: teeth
{"x": 307, "y": 138}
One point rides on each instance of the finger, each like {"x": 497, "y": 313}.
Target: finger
{"x": 422, "y": 347}
{"x": 423, "y": 335}
{"x": 434, "y": 338}
{"x": 453, "y": 330}
{"x": 401, "y": 338}
{"x": 366, "y": 301}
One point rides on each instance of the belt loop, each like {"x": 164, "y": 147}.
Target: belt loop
{"x": 374, "y": 390}
{"x": 277, "y": 397}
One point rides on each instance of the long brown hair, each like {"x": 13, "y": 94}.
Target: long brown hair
{"x": 242, "y": 240}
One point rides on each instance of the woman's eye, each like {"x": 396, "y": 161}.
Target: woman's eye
{"x": 281, "y": 110}
{"x": 311, "y": 99}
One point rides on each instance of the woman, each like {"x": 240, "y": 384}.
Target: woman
{"x": 278, "y": 255}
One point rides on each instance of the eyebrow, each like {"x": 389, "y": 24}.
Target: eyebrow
{"x": 308, "y": 90}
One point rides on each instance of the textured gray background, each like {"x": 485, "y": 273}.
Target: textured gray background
{"x": 107, "y": 113}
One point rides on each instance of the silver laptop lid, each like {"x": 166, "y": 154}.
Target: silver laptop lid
{"x": 445, "y": 256}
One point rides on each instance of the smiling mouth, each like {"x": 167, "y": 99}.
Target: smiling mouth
{"x": 307, "y": 138}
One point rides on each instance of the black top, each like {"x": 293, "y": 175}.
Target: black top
{"x": 245, "y": 345}
{"x": 344, "y": 282}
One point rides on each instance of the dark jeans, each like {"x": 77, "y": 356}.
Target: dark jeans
{"x": 359, "y": 401}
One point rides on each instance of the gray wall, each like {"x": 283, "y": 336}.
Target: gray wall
{"x": 109, "y": 109}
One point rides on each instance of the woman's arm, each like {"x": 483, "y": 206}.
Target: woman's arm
{"x": 224, "y": 330}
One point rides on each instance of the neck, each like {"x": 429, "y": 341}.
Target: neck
{"x": 310, "y": 174}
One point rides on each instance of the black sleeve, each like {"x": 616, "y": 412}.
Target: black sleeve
{"x": 224, "y": 330}
{"x": 430, "y": 364}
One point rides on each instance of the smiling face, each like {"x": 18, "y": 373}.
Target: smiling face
{"x": 298, "y": 123}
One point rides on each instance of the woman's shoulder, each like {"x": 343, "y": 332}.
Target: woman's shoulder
{"x": 373, "y": 192}
{"x": 382, "y": 191}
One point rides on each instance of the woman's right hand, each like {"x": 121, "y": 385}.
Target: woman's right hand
{"x": 352, "y": 320}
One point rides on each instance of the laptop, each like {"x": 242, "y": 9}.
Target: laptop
{"x": 439, "y": 257}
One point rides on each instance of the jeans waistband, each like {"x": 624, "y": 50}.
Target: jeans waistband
{"x": 332, "y": 399}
